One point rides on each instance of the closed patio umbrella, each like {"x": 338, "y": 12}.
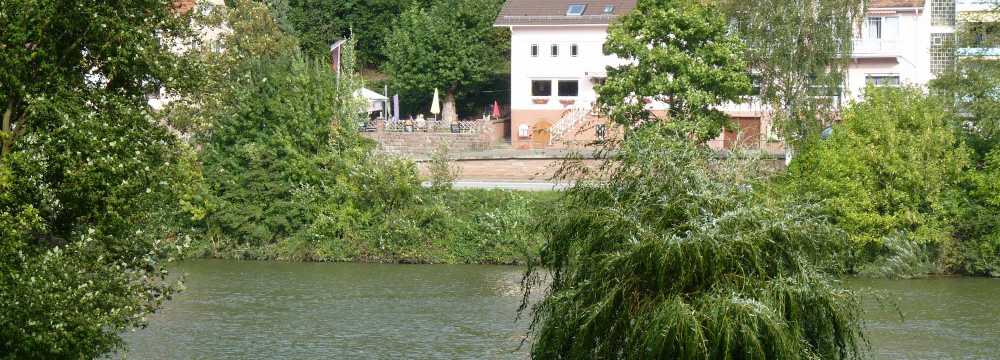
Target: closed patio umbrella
{"x": 435, "y": 105}
{"x": 395, "y": 107}
{"x": 496, "y": 109}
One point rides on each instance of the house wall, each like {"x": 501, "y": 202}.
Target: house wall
{"x": 539, "y": 112}
{"x": 908, "y": 56}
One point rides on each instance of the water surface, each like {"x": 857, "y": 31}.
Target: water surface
{"x": 265, "y": 310}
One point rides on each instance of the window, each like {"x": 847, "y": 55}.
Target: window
{"x": 609, "y": 9}
{"x": 523, "y": 131}
{"x": 576, "y": 9}
{"x": 534, "y": 50}
{"x": 882, "y": 28}
{"x": 569, "y": 88}
{"x": 874, "y": 28}
{"x": 555, "y": 50}
{"x": 541, "y": 88}
{"x": 574, "y": 50}
{"x": 882, "y": 80}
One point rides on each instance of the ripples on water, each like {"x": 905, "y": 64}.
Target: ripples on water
{"x": 266, "y": 310}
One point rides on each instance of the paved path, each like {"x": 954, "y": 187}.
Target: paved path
{"x": 506, "y": 185}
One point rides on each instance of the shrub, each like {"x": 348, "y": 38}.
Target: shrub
{"x": 977, "y": 248}
{"x": 890, "y": 166}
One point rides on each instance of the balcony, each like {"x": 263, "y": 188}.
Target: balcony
{"x": 875, "y": 48}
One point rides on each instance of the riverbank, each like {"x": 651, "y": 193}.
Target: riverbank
{"x": 472, "y": 226}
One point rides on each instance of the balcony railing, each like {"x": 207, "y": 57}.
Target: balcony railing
{"x": 875, "y": 48}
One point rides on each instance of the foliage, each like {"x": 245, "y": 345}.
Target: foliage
{"x": 795, "y": 49}
{"x": 320, "y": 23}
{"x": 91, "y": 186}
{"x": 977, "y": 233}
{"x": 443, "y": 173}
{"x": 451, "y": 46}
{"x": 891, "y": 166}
{"x": 284, "y": 126}
{"x": 682, "y": 56}
{"x": 973, "y": 90}
{"x": 674, "y": 255}
{"x": 234, "y": 36}
{"x": 421, "y": 226}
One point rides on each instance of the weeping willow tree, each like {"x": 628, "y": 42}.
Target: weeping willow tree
{"x": 798, "y": 51}
{"x": 666, "y": 251}
{"x": 674, "y": 256}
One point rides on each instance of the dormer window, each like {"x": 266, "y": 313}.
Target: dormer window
{"x": 576, "y": 9}
{"x": 609, "y": 9}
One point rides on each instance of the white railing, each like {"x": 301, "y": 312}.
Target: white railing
{"x": 569, "y": 120}
{"x": 875, "y": 47}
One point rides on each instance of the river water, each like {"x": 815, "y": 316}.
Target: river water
{"x": 264, "y": 310}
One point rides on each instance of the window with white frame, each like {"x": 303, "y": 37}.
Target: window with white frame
{"x": 569, "y": 88}
{"x": 882, "y": 28}
{"x": 574, "y": 50}
{"x": 882, "y": 79}
{"x": 534, "y": 50}
{"x": 541, "y": 88}
{"x": 554, "y": 51}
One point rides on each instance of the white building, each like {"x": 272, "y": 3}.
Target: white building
{"x": 557, "y": 58}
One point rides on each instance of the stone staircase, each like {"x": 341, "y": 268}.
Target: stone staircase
{"x": 570, "y": 119}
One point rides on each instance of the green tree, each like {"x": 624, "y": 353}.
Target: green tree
{"x": 242, "y": 31}
{"x": 973, "y": 85}
{"x": 320, "y": 23}
{"x": 90, "y": 185}
{"x": 681, "y": 55}
{"x": 796, "y": 50}
{"x": 673, "y": 255}
{"x": 450, "y": 46}
{"x": 891, "y": 166}
{"x": 972, "y": 91}
{"x": 285, "y": 126}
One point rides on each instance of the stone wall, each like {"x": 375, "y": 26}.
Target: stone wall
{"x": 481, "y": 135}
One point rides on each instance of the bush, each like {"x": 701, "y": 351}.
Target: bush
{"x": 891, "y": 166}
{"x": 977, "y": 248}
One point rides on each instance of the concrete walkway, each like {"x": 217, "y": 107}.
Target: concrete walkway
{"x": 506, "y": 185}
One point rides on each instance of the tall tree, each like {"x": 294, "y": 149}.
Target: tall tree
{"x": 320, "y": 23}
{"x": 798, "y": 52}
{"x": 680, "y": 55}
{"x": 89, "y": 184}
{"x": 973, "y": 85}
{"x": 450, "y": 46}
{"x": 672, "y": 255}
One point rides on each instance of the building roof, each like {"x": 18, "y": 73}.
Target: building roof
{"x": 895, "y": 4}
{"x": 553, "y": 12}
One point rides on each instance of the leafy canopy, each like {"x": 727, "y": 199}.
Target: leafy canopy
{"x": 796, "y": 49}
{"x": 678, "y": 53}
{"x": 451, "y": 46}
{"x": 90, "y": 185}
{"x": 890, "y": 166}
{"x": 320, "y": 23}
{"x": 675, "y": 256}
